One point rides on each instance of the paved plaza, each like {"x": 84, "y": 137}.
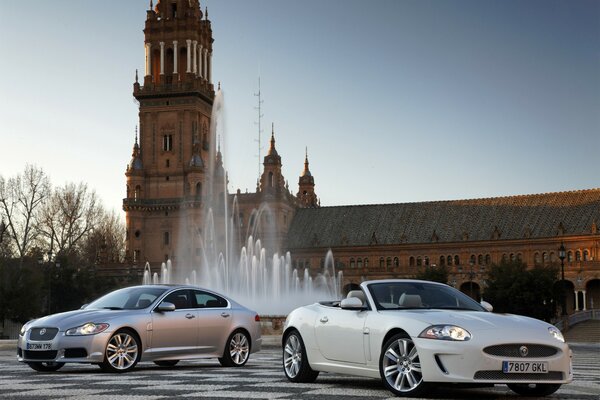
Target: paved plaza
{"x": 262, "y": 378}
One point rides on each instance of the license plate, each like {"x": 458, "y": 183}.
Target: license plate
{"x": 39, "y": 346}
{"x": 525, "y": 367}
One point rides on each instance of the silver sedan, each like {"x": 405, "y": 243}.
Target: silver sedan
{"x": 160, "y": 323}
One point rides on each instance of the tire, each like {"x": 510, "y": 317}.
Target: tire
{"x": 122, "y": 352}
{"x": 46, "y": 366}
{"x": 295, "y": 362}
{"x": 534, "y": 389}
{"x": 400, "y": 367}
{"x": 237, "y": 350}
{"x": 166, "y": 363}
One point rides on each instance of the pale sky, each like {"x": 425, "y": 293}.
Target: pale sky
{"x": 397, "y": 101}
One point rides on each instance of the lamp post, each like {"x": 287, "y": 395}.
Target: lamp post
{"x": 471, "y": 275}
{"x": 561, "y": 255}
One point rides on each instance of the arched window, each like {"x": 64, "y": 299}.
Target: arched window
{"x": 426, "y": 261}
{"x": 351, "y": 262}
{"x": 381, "y": 262}
{"x": 359, "y": 263}
{"x": 166, "y": 238}
{"x": 577, "y": 255}
{"x": 488, "y": 259}
{"x": 512, "y": 257}
{"x": 388, "y": 262}
{"x": 520, "y": 256}
{"x": 198, "y": 190}
{"x": 138, "y": 192}
{"x": 270, "y": 179}
{"x": 456, "y": 260}
{"x": 322, "y": 262}
{"x": 411, "y": 261}
{"x": 472, "y": 259}
{"x": 551, "y": 256}
{"x": 536, "y": 258}
{"x": 586, "y": 255}
{"x": 419, "y": 261}
{"x": 480, "y": 259}
{"x": 449, "y": 259}
{"x": 570, "y": 256}
{"x": 366, "y": 263}
{"x": 442, "y": 261}
{"x": 545, "y": 257}
{"x": 396, "y": 262}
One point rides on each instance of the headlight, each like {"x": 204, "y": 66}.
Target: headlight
{"x": 446, "y": 332}
{"x": 23, "y": 330}
{"x": 556, "y": 334}
{"x": 88, "y": 329}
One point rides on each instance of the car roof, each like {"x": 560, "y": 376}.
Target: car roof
{"x": 365, "y": 283}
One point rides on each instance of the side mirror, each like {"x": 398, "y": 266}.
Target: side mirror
{"x": 165, "y": 306}
{"x": 487, "y": 306}
{"x": 352, "y": 303}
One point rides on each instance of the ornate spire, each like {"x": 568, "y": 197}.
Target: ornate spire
{"x": 306, "y": 171}
{"x": 136, "y": 161}
{"x": 272, "y": 151}
{"x": 206, "y": 13}
{"x": 151, "y": 5}
{"x": 136, "y": 75}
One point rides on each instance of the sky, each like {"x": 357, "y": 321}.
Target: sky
{"x": 396, "y": 101}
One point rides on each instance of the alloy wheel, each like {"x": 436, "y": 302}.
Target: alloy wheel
{"x": 401, "y": 366}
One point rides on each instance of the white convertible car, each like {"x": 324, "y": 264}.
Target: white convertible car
{"x": 417, "y": 334}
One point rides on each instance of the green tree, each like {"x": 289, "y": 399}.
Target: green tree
{"x": 512, "y": 288}
{"x": 434, "y": 274}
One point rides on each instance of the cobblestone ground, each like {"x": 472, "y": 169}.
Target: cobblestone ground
{"x": 261, "y": 378}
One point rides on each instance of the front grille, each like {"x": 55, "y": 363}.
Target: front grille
{"x": 40, "y": 355}
{"x": 43, "y": 333}
{"x": 513, "y": 350}
{"x": 501, "y": 376}
{"x": 76, "y": 352}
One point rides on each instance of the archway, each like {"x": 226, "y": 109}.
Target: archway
{"x": 592, "y": 294}
{"x": 471, "y": 289}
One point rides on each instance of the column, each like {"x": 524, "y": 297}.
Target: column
{"x": 576, "y": 300}
{"x": 195, "y": 44}
{"x": 175, "y": 54}
{"x": 209, "y": 73}
{"x": 148, "y": 59}
{"x": 205, "y": 51}
{"x": 189, "y": 55}
{"x": 162, "y": 58}
{"x": 584, "y": 301}
{"x": 200, "y": 63}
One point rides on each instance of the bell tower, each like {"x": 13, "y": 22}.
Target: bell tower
{"x": 169, "y": 168}
{"x": 306, "y": 195}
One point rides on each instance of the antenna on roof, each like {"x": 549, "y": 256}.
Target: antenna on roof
{"x": 260, "y": 115}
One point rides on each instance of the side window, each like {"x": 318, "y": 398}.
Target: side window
{"x": 208, "y": 300}
{"x": 181, "y": 299}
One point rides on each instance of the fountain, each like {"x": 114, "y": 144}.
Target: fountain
{"x": 268, "y": 284}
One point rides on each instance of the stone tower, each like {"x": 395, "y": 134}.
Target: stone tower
{"x": 307, "y": 197}
{"x": 170, "y": 166}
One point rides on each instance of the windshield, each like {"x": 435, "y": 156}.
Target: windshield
{"x": 134, "y": 298}
{"x": 416, "y": 295}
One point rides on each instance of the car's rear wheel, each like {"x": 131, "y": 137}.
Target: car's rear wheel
{"x": 122, "y": 352}
{"x": 295, "y": 361}
{"x": 166, "y": 363}
{"x": 400, "y": 367}
{"x": 46, "y": 366}
{"x": 237, "y": 350}
{"x": 533, "y": 389}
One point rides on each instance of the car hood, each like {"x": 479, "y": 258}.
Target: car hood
{"x": 475, "y": 320}
{"x": 72, "y": 319}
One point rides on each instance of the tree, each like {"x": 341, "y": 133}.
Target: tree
{"x": 21, "y": 199}
{"x": 512, "y": 288}
{"x": 434, "y": 274}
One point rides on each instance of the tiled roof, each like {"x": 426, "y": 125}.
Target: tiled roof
{"x": 498, "y": 218}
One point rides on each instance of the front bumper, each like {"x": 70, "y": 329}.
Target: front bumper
{"x": 64, "y": 349}
{"x": 466, "y": 362}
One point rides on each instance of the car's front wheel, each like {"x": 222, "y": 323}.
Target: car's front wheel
{"x": 237, "y": 350}
{"x": 400, "y": 367}
{"x": 533, "y": 389}
{"x": 46, "y": 366}
{"x": 295, "y": 361}
{"x": 122, "y": 352}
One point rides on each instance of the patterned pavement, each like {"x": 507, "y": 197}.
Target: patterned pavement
{"x": 262, "y": 378}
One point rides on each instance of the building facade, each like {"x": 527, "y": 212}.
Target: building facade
{"x": 175, "y": 179}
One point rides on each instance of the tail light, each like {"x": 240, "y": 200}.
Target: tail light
{"x": 256, "y": 318}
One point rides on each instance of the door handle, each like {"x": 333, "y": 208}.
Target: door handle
{"x": 224, "y": 314}
{"x": 324, "y": 319}
{"x": 190, "y": 316}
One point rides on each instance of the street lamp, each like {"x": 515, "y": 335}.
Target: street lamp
{"x": 562, "y": 255}
{"x": 471, "y": 275}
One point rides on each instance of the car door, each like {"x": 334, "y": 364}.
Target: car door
{"x": 214, "y": 321}
{"x": 340, "y": 334}
{"x": 175, "y": 332}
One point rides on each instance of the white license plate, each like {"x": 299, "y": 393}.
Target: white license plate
{"x": 39, "y": 346}
{"x": 525, "y": 367}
